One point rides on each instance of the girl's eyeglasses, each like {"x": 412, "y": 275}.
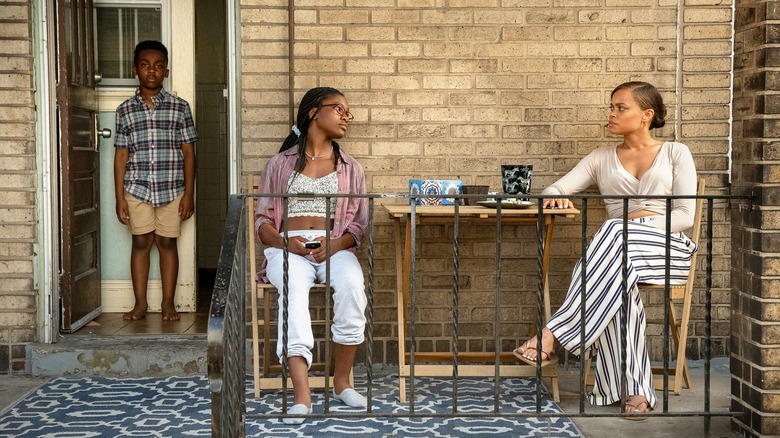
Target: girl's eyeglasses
{"x": 340, "y": 110}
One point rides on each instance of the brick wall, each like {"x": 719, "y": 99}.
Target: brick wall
{"x": 755, "y": 344}
{"x": 455, "y": 88}
{"x": 17, "y": 185}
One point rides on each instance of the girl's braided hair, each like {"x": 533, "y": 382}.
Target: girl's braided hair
{"x": 312, "y": 99}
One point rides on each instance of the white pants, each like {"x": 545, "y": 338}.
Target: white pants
{"x": 349, "y": 298}
{"x": 603, "y": 301}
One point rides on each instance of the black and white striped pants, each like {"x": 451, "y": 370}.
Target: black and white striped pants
{"x": 646, "y": 264}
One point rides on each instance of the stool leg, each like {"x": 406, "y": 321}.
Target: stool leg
{"x": 255, "y": 340}
{"x": 555, "y": 390}
{"x": 267, "y": 333}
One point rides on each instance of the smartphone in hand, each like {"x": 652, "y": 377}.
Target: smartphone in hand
{"x": 312, "y": 244}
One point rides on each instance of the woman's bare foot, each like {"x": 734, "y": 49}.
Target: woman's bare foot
{"x": 528, "y": 349}
{"x": 138, "y": 312}
{"x": 637, "y": 403}
{"x": 170, "y": 314}
{"x": 636, "y": 407}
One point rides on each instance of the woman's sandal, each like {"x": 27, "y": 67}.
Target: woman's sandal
{"x": 636, "y": 414}
{"x": 552, "y": 358}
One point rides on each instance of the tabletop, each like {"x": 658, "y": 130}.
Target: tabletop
{"x": 401, "y": 210}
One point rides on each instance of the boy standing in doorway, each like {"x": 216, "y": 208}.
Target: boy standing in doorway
{"x": 154, "y": 174}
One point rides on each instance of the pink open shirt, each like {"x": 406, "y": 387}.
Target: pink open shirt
{"x": 351, "y": 215}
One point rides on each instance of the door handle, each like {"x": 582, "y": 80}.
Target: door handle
{"x": 104, "y": 132}
{"x": 98, "y": 77}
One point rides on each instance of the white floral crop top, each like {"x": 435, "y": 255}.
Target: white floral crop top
{"x": 315, "y": 206}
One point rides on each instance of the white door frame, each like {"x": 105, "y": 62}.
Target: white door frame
{"x": 234, "y": 94}
{"x": 47, "y": 252}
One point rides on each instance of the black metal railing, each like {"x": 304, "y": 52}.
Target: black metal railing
{"x": 227, "y": 329}
{"x": 226, "y": 337}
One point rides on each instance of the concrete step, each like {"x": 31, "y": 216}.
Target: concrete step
{"x": 143, "y": 355}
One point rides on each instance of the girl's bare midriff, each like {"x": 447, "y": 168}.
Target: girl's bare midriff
{"x": 307, "y": 223}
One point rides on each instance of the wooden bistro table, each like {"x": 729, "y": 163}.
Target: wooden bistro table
{"x": 403, "y": 249}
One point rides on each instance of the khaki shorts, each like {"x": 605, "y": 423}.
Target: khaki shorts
{"x": 163, "y": 220}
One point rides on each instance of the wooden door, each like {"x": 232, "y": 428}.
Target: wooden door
{"x": 77, "y": 104}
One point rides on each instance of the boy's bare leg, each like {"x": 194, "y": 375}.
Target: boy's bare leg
{"x": 345, "y": 359}
{"x": 169, "y": 273}
{"x": 299, "y": 374}
{"x": 139, "y": 271}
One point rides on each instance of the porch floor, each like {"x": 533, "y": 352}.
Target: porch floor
{"x": 689, "y": 400}
{"x": 14, "y": 387}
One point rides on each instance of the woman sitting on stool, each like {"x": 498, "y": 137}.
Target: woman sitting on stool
{"x": 310, "y": 161}
{"x": 640, "y": 165}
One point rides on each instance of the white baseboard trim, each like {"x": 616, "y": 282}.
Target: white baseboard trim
{"x": 117, "y": 296}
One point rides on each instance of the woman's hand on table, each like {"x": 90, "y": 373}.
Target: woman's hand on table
{"x": 558, "y": 203}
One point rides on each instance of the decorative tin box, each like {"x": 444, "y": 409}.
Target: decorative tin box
{"x": 435, "y": 187}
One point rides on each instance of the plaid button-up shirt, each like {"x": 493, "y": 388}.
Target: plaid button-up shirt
{"x": 155, "y": 170}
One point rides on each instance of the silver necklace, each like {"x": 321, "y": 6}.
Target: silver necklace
{"x": 319, "y": 156}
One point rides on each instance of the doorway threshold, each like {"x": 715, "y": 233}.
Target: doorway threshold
{"x": 120, "y": 355}
{"x": 112, "y": 324}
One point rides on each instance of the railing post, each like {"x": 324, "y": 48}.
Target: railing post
{"x": 226, "y": 354}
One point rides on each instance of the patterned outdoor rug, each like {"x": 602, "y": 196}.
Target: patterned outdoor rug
{"x": 180, "y": 407}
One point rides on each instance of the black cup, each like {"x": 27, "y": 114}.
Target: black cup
{"x": 516, "y": 179}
